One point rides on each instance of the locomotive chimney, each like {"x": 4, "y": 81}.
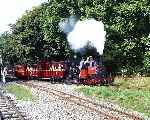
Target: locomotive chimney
{"x": 100, "y": 61}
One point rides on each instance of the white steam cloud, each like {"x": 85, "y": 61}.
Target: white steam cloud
{"x": 81, "y": 32}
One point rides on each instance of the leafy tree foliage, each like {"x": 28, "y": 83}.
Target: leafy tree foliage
{"x": 36, "y": 35}
{"x": 127, "y": 36}
{"x": 11, "y": 50}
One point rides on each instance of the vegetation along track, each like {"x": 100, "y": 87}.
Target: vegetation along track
{"x": 109, "y": 112}
{"x": 8, "y": 110}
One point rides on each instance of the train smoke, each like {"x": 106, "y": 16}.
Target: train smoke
{"x": 82, "y": 32}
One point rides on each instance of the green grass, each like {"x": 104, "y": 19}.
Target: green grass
{"x": 127, "y": 92}
{"x": 21, "y": 92}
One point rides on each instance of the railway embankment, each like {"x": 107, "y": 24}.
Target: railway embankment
{"x": 52, "y": 101}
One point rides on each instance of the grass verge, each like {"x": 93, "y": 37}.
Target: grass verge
{"x": 21, "y": 92}
{"x": 130, "y": 93}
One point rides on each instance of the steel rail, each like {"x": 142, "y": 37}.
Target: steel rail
{"x": 10, "y": 104}
{"x": 80, "y": 101}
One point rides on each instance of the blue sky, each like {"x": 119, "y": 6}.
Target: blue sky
{"x": 11, "y": 10}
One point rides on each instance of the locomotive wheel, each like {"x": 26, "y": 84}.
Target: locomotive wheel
{"x": 110, "y": 82}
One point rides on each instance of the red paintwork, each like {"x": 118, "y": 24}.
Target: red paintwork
{"x": 89, "y": 76}
{"x": 21, "y": 71}
{"x": 92, "y": 70}
{"x": 41, "y": 70}
{"x": 48, "y": 70}
{"x": 83, "y": 74}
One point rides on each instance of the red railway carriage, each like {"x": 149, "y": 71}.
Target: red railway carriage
{"x": 48, "y": 69}
{"x": 44, "y": 69}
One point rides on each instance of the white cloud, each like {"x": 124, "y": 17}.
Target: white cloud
{"x": 11, "y": 10}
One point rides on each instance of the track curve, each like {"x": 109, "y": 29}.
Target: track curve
{"x": 109, "y": 112}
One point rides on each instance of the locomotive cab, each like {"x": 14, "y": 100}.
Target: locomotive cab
{"x": 91, "y": 73}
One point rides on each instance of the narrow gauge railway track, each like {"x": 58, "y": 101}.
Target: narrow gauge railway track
{"x": 8, "y": 110}
{"x": 105, "y": 110}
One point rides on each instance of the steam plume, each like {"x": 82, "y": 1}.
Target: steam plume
{"x": 82, "y": 32}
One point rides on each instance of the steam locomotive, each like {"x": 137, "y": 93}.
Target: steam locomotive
{"x": 64, "y": 71}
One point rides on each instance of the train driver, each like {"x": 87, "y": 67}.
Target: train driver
{"x": 90, "y": 62}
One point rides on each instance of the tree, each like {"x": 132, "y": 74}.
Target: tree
{"x": 37, "y": 33}
{"x": 12, "y": 51}
{"x": 127, "y": 34}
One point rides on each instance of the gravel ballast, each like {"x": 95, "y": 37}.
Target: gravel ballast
{"x": 51, "y": 107}
{"x": 54, "y": 108}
